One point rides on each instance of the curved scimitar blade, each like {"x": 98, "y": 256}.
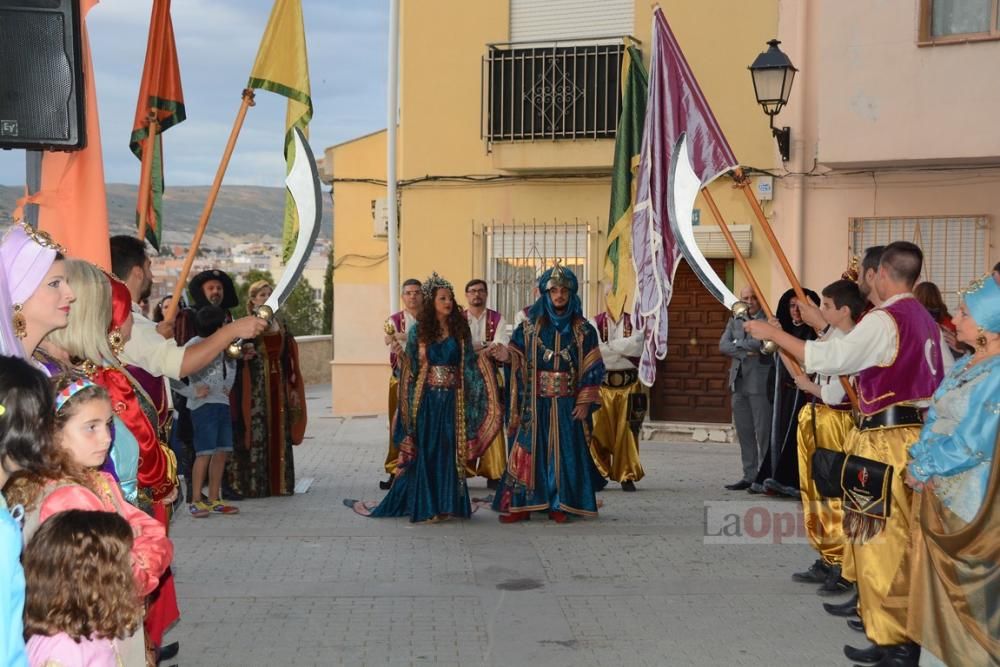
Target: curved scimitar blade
{"x": 683, "y": 186}
{"x": 303, "y": 184}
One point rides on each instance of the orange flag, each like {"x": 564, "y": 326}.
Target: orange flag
{"x": 72, "y": 203}
{"x": 160, "y": 90}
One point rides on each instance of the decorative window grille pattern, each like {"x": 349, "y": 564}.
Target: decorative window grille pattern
{"x": 956, "y": 248}
{"x": 517, "y": 254}
{"x": 552, "y": 91}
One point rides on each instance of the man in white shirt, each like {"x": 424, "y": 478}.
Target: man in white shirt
{"x": 615, "y": 442}
{"x": 897, "y": 352}
{"x": 489, "y": 333}
{"x": 152, "y": 347}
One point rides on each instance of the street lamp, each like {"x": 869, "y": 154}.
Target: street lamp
{"x": 772, "y": 74}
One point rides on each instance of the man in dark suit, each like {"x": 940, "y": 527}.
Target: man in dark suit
{"x": 748, "y": 381}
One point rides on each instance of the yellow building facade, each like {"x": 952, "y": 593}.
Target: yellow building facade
{"x": 476, "y": 203}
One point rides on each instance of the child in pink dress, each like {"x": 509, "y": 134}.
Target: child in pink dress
{"x": 81, "y": 598}
{"x": 82, "y": 432}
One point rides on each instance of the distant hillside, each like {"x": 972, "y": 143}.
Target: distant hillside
{"x": 241, "y": 212}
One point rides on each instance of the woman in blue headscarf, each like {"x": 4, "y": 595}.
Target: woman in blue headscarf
{"x": 556, "y": 372}
{"x": 449, "y": 413}
{"x": 955, "y": 568}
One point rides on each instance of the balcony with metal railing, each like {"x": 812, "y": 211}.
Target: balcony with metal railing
{"x": 562, "y": 93}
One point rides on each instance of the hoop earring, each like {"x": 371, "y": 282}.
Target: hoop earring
{"x": 981, "y": 339}
{"x": 20, "y": 324}
{"x": 117, "y": 341}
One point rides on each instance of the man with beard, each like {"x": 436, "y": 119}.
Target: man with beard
{"x": 489, "y": 333}
{"x": 397, "y": 327}
{"x": 556, "y": 372}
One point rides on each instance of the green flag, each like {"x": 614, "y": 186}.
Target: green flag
{"x": 618, "y": 270}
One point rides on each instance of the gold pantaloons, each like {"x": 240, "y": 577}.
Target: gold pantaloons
{"x": 879, "y": 561}
{"x": 823, "y": 517}
{"x": 393, "y": 452}
{"x": 613, "y": 446}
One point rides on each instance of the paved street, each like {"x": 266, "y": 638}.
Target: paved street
{"x": 305, "y": 581}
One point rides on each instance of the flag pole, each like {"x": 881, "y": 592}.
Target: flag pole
{"x": 145, "y": 185}
{"x": 247, "y": 102}
{"x": 743, "y": 182}
{"x": 791, "y": 364}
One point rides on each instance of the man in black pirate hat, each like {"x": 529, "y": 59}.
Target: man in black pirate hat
{"x": 208, "y": 288}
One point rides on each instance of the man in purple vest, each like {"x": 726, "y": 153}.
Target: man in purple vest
{"x": 615, "y": 442}
{"x": 896, "y": 353}
{"x": 489, "y": 334}
{"x": 397, "y": 327}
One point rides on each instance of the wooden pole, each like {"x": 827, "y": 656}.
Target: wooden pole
{"x": 790, "y": 363}
{"x": 744, "y": 183}
{"x": 209, "y": 204}
{"x": 146, "y": 175}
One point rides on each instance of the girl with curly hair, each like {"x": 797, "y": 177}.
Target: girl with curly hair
{"x": 448, "y": 414}
{"x": 81, "y": 597}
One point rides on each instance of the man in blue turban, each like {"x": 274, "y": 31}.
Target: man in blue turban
{"x": 556, "y": 372}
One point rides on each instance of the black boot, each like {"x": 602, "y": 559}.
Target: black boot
{"x": 856, "y": 624}
{"x": 834, "y": 584}
{"x": 900, "y": 655}
{"x": 387, "y": 484}
{"x": 492, "y": 484}
{"x": 816, "y": 574}
{"x": 628, "y": 485}
{"x": 844, "y": 609}
{"x": 870, "y": 654}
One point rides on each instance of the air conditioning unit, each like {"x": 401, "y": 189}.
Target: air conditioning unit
{"x": 380, "y": 217}
{"x": 713, "y": 243}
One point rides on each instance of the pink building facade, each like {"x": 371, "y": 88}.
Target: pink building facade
{"x": 895, "y": 136}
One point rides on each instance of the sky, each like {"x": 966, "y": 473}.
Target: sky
{"x": 217, "y": 42}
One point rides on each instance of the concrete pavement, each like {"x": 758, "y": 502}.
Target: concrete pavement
{"x": 305, "y": 581}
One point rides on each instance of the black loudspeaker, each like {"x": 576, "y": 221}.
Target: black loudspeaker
{"x": 41, "y": 76}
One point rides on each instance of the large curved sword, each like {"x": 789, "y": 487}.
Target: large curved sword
{"x": 682, "y": 190}
{"x": 303, "y": 184}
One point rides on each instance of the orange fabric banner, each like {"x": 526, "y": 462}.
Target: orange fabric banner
{"x": 161, "y": 90}
{"x": 72, "y": 203}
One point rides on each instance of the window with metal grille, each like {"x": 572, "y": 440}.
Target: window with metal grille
{"x": 956, "y": 248}
{"x": 516, "y": 256}
{"x": 552, "y": 91}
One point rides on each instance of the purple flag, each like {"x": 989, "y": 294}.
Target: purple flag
{"x": 675, "y": 106}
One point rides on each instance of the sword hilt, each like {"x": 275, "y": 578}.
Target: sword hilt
{"x": 235, "y": 349}
{"x": 741, "y": 311}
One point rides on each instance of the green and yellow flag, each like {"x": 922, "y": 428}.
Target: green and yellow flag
{"x": 618, "y": 270}
{"x": 283, "y": 68}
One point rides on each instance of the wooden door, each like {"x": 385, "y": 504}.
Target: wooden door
{"x": 692, "y": 382}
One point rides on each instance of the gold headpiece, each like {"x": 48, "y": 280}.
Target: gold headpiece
{"x": 433, "y": 283}
{"x": 852, "y": 271}
{"x": 558, "y": 277}
{"x": 41, "y": 238}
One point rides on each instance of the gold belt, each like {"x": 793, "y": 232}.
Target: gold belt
{"x": 621, "y": 378}
{"x": 442, "y": 376}
{"x": 555, "y": 384}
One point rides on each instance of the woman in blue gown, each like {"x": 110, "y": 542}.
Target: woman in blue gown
{"x": 954, "y": 582}
{"x": 449, "y": 412}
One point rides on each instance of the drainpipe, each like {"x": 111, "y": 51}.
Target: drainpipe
{"x": 799, "y": 123}
{"x": 392, "y": 106}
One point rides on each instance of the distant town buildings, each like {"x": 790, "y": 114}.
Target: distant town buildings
{"x": 237, "y": 261}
